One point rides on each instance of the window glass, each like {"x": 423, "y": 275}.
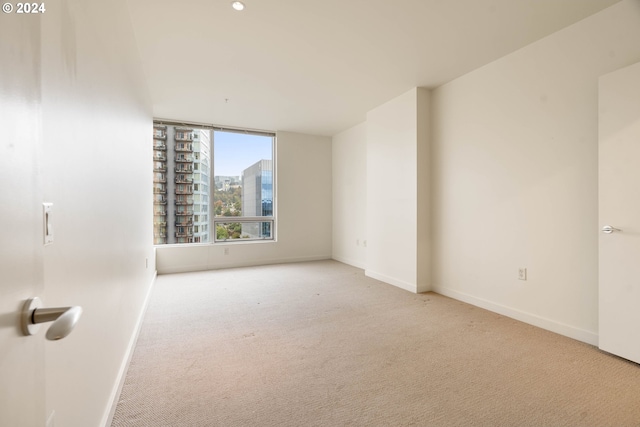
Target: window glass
{"x": 192, "y": 162}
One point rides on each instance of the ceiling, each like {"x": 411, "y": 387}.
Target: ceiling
{"x": 318, "y": 66}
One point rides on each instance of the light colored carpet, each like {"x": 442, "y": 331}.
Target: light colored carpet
{"x": 320, "y": 344}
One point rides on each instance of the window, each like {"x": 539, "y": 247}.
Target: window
{"x": 200, "y": 170}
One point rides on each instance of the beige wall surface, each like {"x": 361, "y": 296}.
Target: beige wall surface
{"x": 515, "y": 146}
{"x": 96, "y": 123}
{"x": 303, "y": 209}
{"x": 349, "y": 149}
{"x": 423, "y": 190}
{"x": 392, "y": 188}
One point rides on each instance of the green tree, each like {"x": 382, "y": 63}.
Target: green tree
{"x": 221, "y": 232}
{"x": 218, "y": 207}
{"x": 228, "y": 203}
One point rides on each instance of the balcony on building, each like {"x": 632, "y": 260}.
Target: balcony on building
{"x": 159, "y": 145}
{"x": 159, "y": 168}
{"x": 187, "y": 223}
{"x": 184, "y": 234}
{"x": 184, "y": 202}
{"x": 184, "y": 159}
{"x": 159, "y": 156}
{"x": 184, "y": 147}
{"x": 184, "y": 213}
{"x": 159, "y": 131}
{"x": 182, "y": 169}
{"x": 187, "y": 191}
{"x": 183, "y": 134}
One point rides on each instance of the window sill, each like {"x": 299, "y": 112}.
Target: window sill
{"x": 221, "y": 243}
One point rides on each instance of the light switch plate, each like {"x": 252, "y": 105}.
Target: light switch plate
{"x": 47, "y": 219}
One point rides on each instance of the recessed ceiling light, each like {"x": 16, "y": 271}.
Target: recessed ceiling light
{"x": 237, "y": 5}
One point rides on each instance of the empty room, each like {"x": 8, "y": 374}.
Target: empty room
{"x": 320, "y": 213}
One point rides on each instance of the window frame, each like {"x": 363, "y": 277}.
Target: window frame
{"x": 214, "y": 220}
{"x": 243, "y": 219}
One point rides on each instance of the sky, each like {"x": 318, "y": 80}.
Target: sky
{"x": 235, "y": 152}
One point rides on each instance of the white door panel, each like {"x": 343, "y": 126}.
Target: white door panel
{"x": 22, "y": 399}
{"x": 619, "y": 207}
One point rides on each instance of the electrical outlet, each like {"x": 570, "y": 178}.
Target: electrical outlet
{"x": 226, "y": 251}
{"x": 522, "y": 273}
{"x": 364, "y": 243}
{"x": 357, "y": 242}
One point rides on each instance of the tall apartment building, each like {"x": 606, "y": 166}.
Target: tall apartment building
{"x": 182, "y": 176}
{"x": 257, "y": 197}
{"x": 201, "y": 184}
{"x": 159, "y": 184}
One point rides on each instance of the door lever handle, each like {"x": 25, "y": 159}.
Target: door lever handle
{"x": 609, "y": 229}
{"x": 64, "y": 319}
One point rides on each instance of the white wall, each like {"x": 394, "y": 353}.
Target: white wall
{"x": 303, "y": 209}
{"x": 397, "y": 147}
{"x": 97, "y": 126}
{"x": 515, "y": 175}
{"x": 423, "y": 190}
{"x": 349, "y": 149}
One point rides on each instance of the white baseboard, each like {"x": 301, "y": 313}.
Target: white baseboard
{"x": 236, "y": 264}
{"x": 532, "y": 319}
{"x": 349, "y": 261}
{"x": 392, "y": 281}
{"x": 107, "y": 419}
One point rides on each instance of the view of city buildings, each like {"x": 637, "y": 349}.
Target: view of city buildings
{"x": 182, "y": 170}
{"x": 225, "y": 183}
{"x": 257, "y": 197}
{"x": 187, "y": 198}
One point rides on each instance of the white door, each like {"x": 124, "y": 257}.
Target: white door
{"x": 619, "y": 201}
{"x": 22, "y": 398}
